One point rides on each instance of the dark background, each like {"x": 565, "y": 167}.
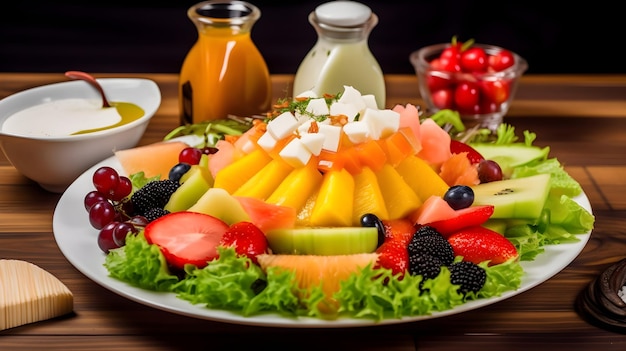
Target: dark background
{"x": 142, "y": 36}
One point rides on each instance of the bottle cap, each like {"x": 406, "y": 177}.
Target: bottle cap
{"x": 343, "y": 13}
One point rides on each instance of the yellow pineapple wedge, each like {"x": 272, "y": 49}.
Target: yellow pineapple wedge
{"x": 261, "y": 185}
{"x": 421, "y": 177}
{"x": 334, "y": 203}
{"x": 325, "y": 271}
{"x": 367, "y": 196}
{"x": 233, "y": 176}
{"x": 400, "y": 199}
{"x": 297, "y": 187}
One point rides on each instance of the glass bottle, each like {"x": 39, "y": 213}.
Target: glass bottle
{"x": 224, "y": 72}
{"x": 341, "y": 55}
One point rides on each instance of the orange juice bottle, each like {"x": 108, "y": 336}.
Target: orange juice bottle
{"x": 224, "y": 73}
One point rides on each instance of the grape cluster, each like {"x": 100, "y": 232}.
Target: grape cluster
{"x": 108, "y": 207}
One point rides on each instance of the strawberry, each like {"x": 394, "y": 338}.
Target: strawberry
{"x": 478, "y": 244}
{"x": 456, "y": 147}
{"x": 247, "y": 239}
{"x": 466, "y": 217}
{"x": 393, "y": 253}
{"x": 398, "y": 229}
{"x": 186, "y": 237}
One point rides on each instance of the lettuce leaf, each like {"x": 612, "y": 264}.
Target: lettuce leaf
{"x": 140, "y": 264}
{"x": 561, "y": 183}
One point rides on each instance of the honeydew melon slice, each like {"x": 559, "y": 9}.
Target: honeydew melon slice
{"x": 511, "y": 155}
{"x": 514, "y": 198}
{"x": 324, "y": 241}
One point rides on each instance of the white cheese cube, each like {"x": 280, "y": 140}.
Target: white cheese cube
{"x": 352, "y": 96}
{"x": 317, "y": 107}
{"x": 381, "y": 123}
{"x": 295, "y": 153}
{"x": 370, "y": 101}
{"x": 357, "y": 132}
{"x": 267, "y": 142}
{"x": 332, "y": 136}
{"x": 313, "y": 142}
{"x": 348, "y": 110}
{"x": 283, "y": 125}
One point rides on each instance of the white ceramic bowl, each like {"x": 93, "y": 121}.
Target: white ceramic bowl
{"x": 55, "y": 162}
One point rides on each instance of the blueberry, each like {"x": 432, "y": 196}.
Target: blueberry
{"x": 459, "y": 196}
{"x": 178, "y": 170}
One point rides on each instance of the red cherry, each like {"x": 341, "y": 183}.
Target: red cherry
{"x": 474, "y": 60}
{"x": 466, "y": 96}
{"x": 502, "y": 60}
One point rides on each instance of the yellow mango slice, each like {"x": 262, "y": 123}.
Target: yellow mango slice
{"x": 233, "y": 176}
{"x": 262, "y": 184}
{"x": 303, "y": 218}
{"x": 334, "y": 203}
{"x": 297, "y": 187}
{"x": 422, "y": 178}
{"x": 367, "y": 196}
{"x": 400, "y": 199}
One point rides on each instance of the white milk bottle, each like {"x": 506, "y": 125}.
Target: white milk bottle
{"x": 341, "y": 56}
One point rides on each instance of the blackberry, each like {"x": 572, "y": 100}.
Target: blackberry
{"x": 155, "y": 213}
{"x": 425, "y": 265}
{"x": 470, "y": 276}
{"x": 155, "y": 194}
{"x": 428, "y": 241}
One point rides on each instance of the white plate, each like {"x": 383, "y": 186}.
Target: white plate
{"x": 77, "y": 241}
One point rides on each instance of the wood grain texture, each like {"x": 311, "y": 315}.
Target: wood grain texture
{"x": 581, "y": 118}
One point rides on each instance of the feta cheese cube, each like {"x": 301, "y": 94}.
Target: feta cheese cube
{"x": 370, "y": 101}
{"x": 283, "y": 125}
{"x": 348, "y": 110}
{"x": 267, "y": 142}
{"x": 307, "y": 94}
{"x": 381, "y": 123}
{"x": 332, "y": 136}
{"x": 295, "y": 153}
{"x": 317, "y": 107}
{"x": 357, "y": 132}
{"x": 352, "y": 96}
{"x": 313, "y": 142}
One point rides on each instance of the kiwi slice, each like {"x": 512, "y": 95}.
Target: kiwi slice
{"x": 511, "y": 155}
{"x": 514, "y": 198}
{"x": 324, "y": 241}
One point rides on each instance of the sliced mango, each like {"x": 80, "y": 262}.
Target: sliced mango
{"x": 262, "y": 184}
{"x": 297, "y": 187}
{"x": 422, "y": 178}
{"x": 334, "y": 203}
{"x": 367, "y": 196}
{"x": 400, "y": 199}
{"x": 233, "y": 176}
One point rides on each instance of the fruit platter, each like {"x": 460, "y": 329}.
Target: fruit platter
{"x": 327, "y": 212}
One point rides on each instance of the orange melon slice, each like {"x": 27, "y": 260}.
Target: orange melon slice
{"x": 154, "y": 159}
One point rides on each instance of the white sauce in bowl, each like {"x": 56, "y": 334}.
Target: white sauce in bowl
{"x": 61, "y": 118}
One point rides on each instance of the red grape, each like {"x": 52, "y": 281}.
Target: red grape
{"x": 106, "y": 179}
{"x": 92, "y": 198}
{"x": 123, "y": 189}
{"x": 489, "y": 171}
{"x": 101, "y": 214}
{"x": 190, "y": 155}
{"x": 105, "y": 237}
{"x": 120, "y": 232}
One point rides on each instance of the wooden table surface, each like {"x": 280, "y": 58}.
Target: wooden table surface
{"x": 582, "y": 119}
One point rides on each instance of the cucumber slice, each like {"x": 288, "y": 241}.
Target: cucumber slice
{"x": 325, "y": 241}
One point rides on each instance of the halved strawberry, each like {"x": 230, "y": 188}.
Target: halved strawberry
{"x": 478, "y": 244}
{"x": 457, "y": 147}
{"x": 466, "y": 217}
{"x": 398, "y": 229}
{"x": 186, "y": 237}
{"x": 247, "y": 239}
{"x": 393, "y": 254}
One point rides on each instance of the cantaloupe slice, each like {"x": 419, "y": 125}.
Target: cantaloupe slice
{"x": 30, "y": 294}
{"x": 325, "y": 271}
{"x": 154, "y": 159}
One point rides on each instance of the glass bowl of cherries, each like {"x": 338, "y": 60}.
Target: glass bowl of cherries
{"x": 477, "y": 80}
